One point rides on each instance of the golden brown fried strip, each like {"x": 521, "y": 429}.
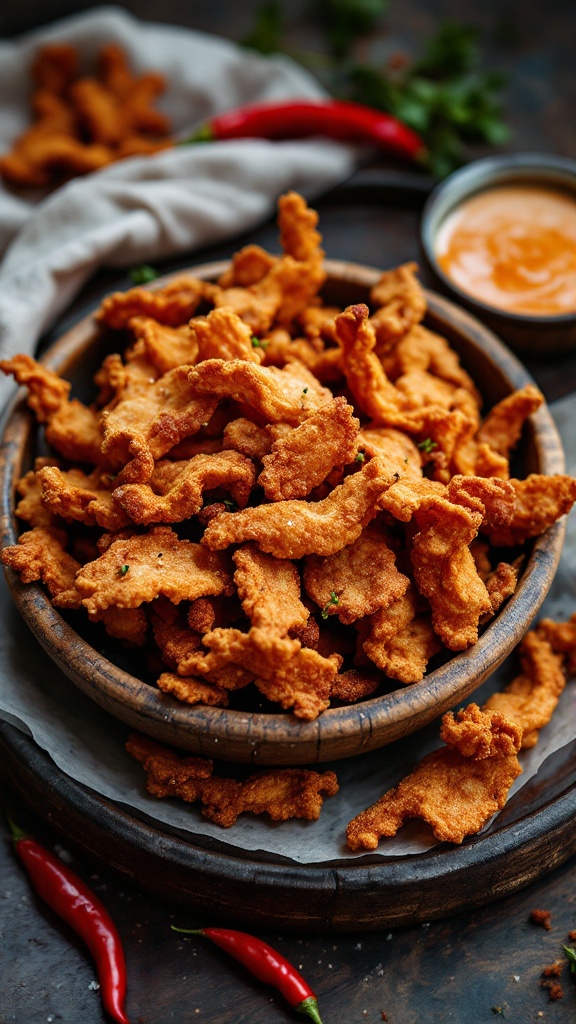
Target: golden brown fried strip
{"x": 503, "y": 425}
{"x": 540, "y": 502}
{"x": 47, "y": 392}
{"x": 223, "y": 335}
{"x": 530, "y": 699}
{"x": 562, "y": 638}
{"x": 303, "y": 458}
{"x": 282, "y": 793}
{"x": 292, "y": 529}
{"x": 501, "y": 583}
{"x": 494, "y": 499}
{"x": 193, "y": 691}
{"x": 140, "y": 568}
{"x": 174, "y": 639}
{"x": 400, "y": 301}
{"x": 456, "y": 795}
{"x": 445, "y": 573}
{"x": 182, "y": 486}
{"x": 422, "y": 349}
{"x": 40, "y": 555}
{"x": 358, "y": 579}
{"x": 73, "y": 494}
{"x": 147, "y": 424}
{"x": 165, "y": 347}
{"x": 282, "y": 396}
{"x": 269, "y": 589}
{"x": 248, "y": 266}
{"x": 127, "y": 624}
{"x": 477, "y": 733}
{"x": 397, "y": 448}
{"x": 247, "y": 438}
{"x": 372, "y": 391}
{"x": 407, "y": 494}
{"x": 405, "y": 655}
{"x": 30, "y": 507}
{"x": 295, "y": 677}
{"x": 54, "y": 66}
{"x": 352, "y": 685}
{"x": 172, "y": 305}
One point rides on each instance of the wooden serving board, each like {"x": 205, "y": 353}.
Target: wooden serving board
{"x": 534, "y": 834}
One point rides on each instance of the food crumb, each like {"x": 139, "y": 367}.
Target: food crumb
{"x": 541, "y": 917}
{"x": 553, "y": 970}
{"x": 93, "y": 986}
{"x": 572, "y": 936}
{"x": 516, "y": 977}
{"x": 384, "y": 1015}
{"x": 554, "y": 990}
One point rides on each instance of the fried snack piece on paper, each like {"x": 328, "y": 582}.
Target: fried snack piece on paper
{"x": 269, "y": 590}
{"x": 147, "y": 424}
{"x": 137, "y": 569}
{"x": 164, "y": 347}
{"x": 40, "y": 554}
{"x": 193, "y": 691}
{"x": 540, "y": 501}
{"x": 82, "y": 497}
{"x": 281, "y": 396}
{"x": 303, "y": 458}
{"x": 455, "y": 795}
{"x": 502, "y": 427}
{"x": 532, "y": 696}
{"x": 292, "y": 529}
{"x": 562, "y": 638}
{"x": 173, "y": 304}
{"x": 281, "y": 793}
{"x": 357, "y": 580}
{"x": 445, "y": 572}
{"x": 296, "y": 677}
{"x": 223, "y": 335}
{"x": 478, "y": 733}
{"x": 182, "y": 485}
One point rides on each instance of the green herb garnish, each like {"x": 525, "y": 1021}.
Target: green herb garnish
{"x": 143, "y": 274}
{"x": 257, "y": 343}
{"x": 427, "y": 445}
{"x": 571, "y": 954}
{"x": 334, "y": 600}
{"x": 230, "y": 505}
{"x": 360, "y": 456}
{"x": 124, "y": 569}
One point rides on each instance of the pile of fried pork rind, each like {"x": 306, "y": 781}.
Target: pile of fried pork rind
{"x": 275, "y": 493}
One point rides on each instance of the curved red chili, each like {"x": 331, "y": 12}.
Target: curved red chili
{"x": 68, "y": 896}
{"x": 266, "y": 964}
{"x": 337, "y": 119}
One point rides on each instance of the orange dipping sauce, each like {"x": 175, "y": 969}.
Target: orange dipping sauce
{"x": 513, "y": 247}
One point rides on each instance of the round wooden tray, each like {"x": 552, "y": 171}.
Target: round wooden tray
{"x": 533, "y": 834}
{"x": 282, "y": 739}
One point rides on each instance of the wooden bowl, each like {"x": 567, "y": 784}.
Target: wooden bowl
{"x": 282, "y": 739}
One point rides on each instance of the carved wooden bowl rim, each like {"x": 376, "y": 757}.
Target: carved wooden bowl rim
{"x": 339, "y": 732}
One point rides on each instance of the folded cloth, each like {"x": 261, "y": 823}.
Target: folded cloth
{"x": 147, "y": 208}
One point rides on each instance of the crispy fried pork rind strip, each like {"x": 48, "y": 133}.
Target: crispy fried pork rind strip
{"x": 269, "y": 589}
{"x": 292, "y": 529}
{"x": 223, "y": 335}
{"x": 357, "y": 580}
{"x": 530, "y": 699}
{"x": 422, "y": 349}
{"x": 445, "y": 572}
{"x": 46, "y": 390}
{"x": 477, "y": 733}
{"x": 400, "y": 304}
{"x": 374, "y": 394}
{"x": 193, "y": 691}
{"x": 456, "y": 795}
{"x": 127, "y": 624}
{"x": 281, "y": 793}
{"x": 172, "y": 305}
{"x": 502, "y": 427}
{"x": 296, "y": 677}
{"x": 540, "y": 502}
{"x": 303, "y": 458}
{"x": 147, "y": 424}
{"x": 164, "y": 347}
{"x": 181, "y": 487}
{"x": 137, "y": 569}
{"x": 562, "y": 638}
{"x": 30, "y": 507}
{"x": 399, "y": 639}
{"x": 40, "y": 555}
{"x": 281, "y": 396}
{"x": 82, "y": 497}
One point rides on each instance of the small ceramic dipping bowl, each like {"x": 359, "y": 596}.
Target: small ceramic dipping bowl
{"x": 499, "y": 236}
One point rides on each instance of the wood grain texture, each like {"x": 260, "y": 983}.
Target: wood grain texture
{"x": 278, "y": 738}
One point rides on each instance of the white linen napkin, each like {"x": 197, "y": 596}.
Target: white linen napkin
{"x": 146, "y": 208}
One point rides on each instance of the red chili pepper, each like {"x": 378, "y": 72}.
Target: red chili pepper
{"x": 266, "y": 964}
{"x": 337, "y": 119}
{"x": 67, "y": 895}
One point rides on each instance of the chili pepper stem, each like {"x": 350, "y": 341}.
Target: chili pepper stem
{"x": 310, "y": 1008}
{"x": 187, "y": 931}
{"x": 17, "y": 832}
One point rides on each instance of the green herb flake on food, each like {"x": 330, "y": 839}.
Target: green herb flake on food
{"x": 427, "y": 446}
{"x": 334, "y": 600}
{"x": 257, "y": 343}
{"x": 143, "y": 274}
{"x": 124, "y": 569}
{"x": 360, "y": 456}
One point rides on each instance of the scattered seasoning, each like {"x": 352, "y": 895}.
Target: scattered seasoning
{"x": 265, "y": 963}
{"x": 427, "y": 446}
{"x": 499, "y": 1011}
{"x": 304, "y": 391}
{"x": 124, "y": 569}
{"x": 257, "y": 343}
{"x": 541, "y": 917}
{"x": 334, "y": 600}
{"x": 69, "y": 897}
{"x": 160, "y": 553}
{"x": 396, "y": 476}
{"x": 360, "y": 456}
{"x": 143, "y": 274}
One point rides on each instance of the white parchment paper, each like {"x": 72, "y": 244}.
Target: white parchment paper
{"x": 88, "y": 744}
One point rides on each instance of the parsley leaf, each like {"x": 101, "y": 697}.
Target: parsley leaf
{"x": 257, "y": 343}
{"x": 334, "y": 600}
{"x": 143, "y": 274}
{"x": 428, "y": 445}
{"x": 123, "y": 569}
